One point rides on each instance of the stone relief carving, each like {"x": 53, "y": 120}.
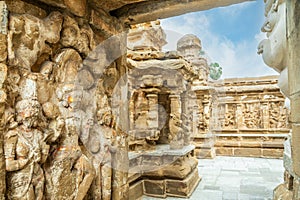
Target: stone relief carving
{"x": 25, "y": 150}
{"x": 141, "y": 111}
{"x": 278, "y": 115}
{"x": 29, "y": 38}
{"x": 251, "y": 116}
{"x": 203, "y": 113}
{"x": 69, "y": 111}
{"x": 82, "y": 39}
{"x": 54, "y": 102}
{"x": 229, "y": 118}
{"x": 177, "y": 133}
{"x": 189, "y": 46}
{"x": 3, "y": 18}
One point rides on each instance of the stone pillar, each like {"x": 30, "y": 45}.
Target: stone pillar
{"x": 206, "y": 111}
{"x": 175, "y": 104}
{"x": 239, "y": 115}
{"x": 153, "y": 110}
{"x": 176, "y": 130}
{"x": 265, "y": 115}
{"x": 293, "y": 40}
{"x": 3, "y": 73}
{"x": 195, "y": 120}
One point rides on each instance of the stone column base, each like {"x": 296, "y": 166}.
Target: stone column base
{"x": 164, "y": 172}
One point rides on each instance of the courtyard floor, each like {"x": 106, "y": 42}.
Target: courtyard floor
{"x": 231, "y": 178}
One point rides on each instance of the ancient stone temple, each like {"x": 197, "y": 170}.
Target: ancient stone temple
{"x": 74, "y": 101}
{"x": 161, "y": 115}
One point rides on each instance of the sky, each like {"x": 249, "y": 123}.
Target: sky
{"x": 229, "y": 35}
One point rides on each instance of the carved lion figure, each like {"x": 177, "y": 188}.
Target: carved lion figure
{"x": 175, "y": 126}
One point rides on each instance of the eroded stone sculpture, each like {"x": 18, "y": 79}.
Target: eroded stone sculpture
{"x": 274, "y": 48}
{"x": 29, "y": 38}
{"x": 25, "y": 151}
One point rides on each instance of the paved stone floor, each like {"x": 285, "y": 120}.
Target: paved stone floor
{"x": 231, "y": 178}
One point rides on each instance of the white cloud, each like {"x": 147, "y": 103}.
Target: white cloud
{"x": 238, "y": 59}
{"x": 235, "y": 9}
{"x": 260, "y": 36}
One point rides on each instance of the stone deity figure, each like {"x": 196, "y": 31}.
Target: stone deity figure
{"x": 274, "y": 49}
{"x": 25, "y": 151}
{"x": 105, "y": 120}
{"x": 176, "y": 132}
{"x": 274, "y": 115}
{"x": 68, "y": 165}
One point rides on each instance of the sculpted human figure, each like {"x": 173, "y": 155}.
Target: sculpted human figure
{"x": 105, "y": 120}
{"x": 67, "y": 163}
{"x": 274, "y": 115}
{"x": 25, "y": 151}
{"x": 274, "y": 49}
{"x": 69, "y": 166}
{"x": 81, "y": 39}
{"x": 229, "y": 119}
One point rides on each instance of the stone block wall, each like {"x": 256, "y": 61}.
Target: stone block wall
{"x": 251, "y": 119}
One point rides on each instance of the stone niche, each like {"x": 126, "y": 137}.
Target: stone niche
{"x": 161, "y": 114}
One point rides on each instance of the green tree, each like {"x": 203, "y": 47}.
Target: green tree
{"x": 215, "y": 71}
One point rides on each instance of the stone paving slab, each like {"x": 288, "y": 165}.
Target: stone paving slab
{"x": 236, "y": 178}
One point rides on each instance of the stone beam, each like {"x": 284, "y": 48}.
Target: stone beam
{"x": 156, "y": 9}
{"x": 112, "y": 4}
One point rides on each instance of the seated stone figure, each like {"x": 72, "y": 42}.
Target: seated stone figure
{"x": 176, "y": 132}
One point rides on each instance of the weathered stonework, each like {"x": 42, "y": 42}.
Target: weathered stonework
{"x": 161, "y": 116}
{"x": 279, "y": 52}
{"x": 40, "y": 101}
{"x": 3, "y": 95}
{"x": 61, "y": 133}
{"x": 253, "y": 120}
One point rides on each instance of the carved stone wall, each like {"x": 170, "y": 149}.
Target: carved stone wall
{"x": 3, "y": 75}
{"x": 253, "y": 117}
{"x": 62, "y": 121}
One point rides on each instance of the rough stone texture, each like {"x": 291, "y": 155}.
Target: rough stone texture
{"x": 3, "y": 95}
{"x": 146, "y": 36}
{"x": 251, "y": 113}
{"x": 160, "y": 105}
{"x": 294, "y": 70}
{"x": 32, "y": 43}
{"x": 163, "y": 172}
{"x": 61, "y": 133}
{"x": 153, "y": 9}
{"x": 236, "y": 178}
{"x": 21, "y": 7}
